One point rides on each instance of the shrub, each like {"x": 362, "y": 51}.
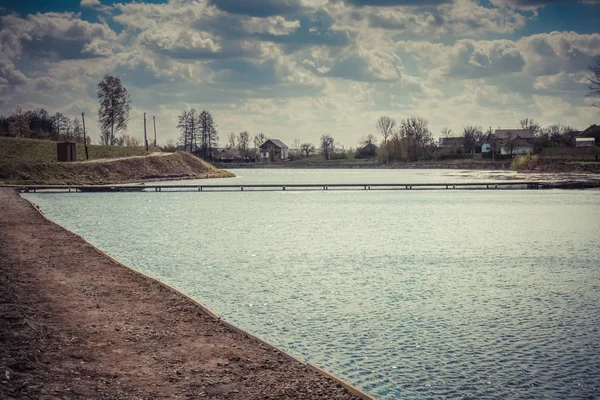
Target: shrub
{"x": 526, "y": 162}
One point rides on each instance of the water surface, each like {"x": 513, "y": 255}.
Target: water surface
{"x": 406, "y": 294}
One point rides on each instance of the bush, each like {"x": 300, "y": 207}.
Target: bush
{"x": 526, "y": 162}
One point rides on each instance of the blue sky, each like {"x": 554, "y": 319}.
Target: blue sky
{"x": 301, "y": 68}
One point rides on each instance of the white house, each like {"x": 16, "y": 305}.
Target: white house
{"x": 585, "y": 142}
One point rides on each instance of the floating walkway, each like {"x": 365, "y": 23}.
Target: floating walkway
{"x": 514, "y": 185}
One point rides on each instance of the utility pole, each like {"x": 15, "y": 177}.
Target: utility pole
{"x": 145, "y": 138}
{"x": 84, "y": 137}
{"x": 493, "y": 145}
{"x": 154, "y": 120}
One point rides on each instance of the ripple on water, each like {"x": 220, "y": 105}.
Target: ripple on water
{"x": 405, "y": 294}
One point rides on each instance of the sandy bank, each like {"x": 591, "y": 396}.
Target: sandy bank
{"x": 74, "y": 324}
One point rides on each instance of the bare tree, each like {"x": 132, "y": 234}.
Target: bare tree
{"x": 184, "y": 127}
{"x": 472, "y": 137}
{"x": 447, "y": 132}
{"x": 327, "y": 146}
{"x": 296, "y": 144}
{"x": 307, "y": 149}
{"x": 231, "y": 140}
{"x": 243, "y": 142}
{"x": 259, "y": 139}
{"x": 594, "y": 82}
{"x": 370, "y": 139}
{"x": 385, "y": 126}
{"x": 115, "y": 106}
{"x": 530, "y": 124}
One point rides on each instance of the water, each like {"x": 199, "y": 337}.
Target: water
{"x": 405, "y": 294}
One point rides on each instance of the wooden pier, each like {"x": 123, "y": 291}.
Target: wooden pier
{"x": 508, "y": 185}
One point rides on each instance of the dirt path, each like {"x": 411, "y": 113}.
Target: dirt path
{"x": 76, "y": 325}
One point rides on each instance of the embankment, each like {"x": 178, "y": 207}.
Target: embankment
{"x": 159, "y": 166}
{"x": 74, "y": 324}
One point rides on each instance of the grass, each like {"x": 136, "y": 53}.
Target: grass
{"x": 30, "y": 161}
{"x": 30, "y": 151}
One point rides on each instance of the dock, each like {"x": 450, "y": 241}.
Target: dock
{"x": 508, "y": 185}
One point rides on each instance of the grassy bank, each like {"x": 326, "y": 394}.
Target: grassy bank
{"x": 29, "y": 161}
{"x": 44, "y": 151}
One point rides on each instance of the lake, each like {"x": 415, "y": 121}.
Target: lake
{"x": 487, "y": 294}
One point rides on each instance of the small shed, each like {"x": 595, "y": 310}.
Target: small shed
{"x": 585, "y": 142}
{"x": 370, "y": 150}
{"x": 66, "y": 151}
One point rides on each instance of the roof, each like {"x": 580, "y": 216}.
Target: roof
{"x": 370, "y": 145}
{"x": 514, "y": 133}
{"x": 276, "y": 142}
{"x": 591, "y": 131}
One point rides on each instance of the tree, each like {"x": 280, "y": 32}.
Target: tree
{"x": 209, "y": 134}
{"x": 307, "y": 149}
{"x": 327, "y": 146}
{"x": 243, "y": 142}
{"x": 259, "y": 139}
{"x": 184, "y": 128}
{"x": 472, "y": 137}
{"x": 19, "y": 126}
{"x": 61, "y": 126}
{"x": 447, "y": 132}
{"x": 231, "y": 140}
{"x": 530, "y": 124}
{"x": 385, "y": 126}
{"x": 416, "y": 131}
{"x": 370, "y": 139}
{"x": 296, "y": 144}
{"x": 594, "y": 82}
{"x": 115, "y": 105}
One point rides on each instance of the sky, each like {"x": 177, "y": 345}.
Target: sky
{"x": 302, "y": 68}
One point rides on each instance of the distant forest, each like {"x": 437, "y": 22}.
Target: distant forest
{"x": 39, "y": 124}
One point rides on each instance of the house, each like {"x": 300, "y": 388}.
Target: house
{"x": 486, "y": 148}
{"x": 273, "y": 150}
{"x": 592, "y": 132}
{"x": 370, "y": 150}
{"x": 585, "y": 142}
{"x": 451, "y": 141}
{"x": 515, "y": 141}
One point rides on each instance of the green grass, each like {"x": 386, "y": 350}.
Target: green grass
{"x": 31, "y": 151}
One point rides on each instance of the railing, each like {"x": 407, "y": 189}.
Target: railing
{"x": 514, "y": 185}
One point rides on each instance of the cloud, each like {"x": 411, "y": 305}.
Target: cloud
{"x": 90, "y": 3}
{"x": 462, "y": 17}
{"x": 395, "y": 3}
{"x": 534, "y": 4}
{"x": 11, "y": 75}
{"x": 267, "y": 8}
{"x": 54, "y": 36}
{"x": 551, "y": 53}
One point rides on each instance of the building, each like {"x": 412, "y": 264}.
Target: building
{"x": 486, "y": 148}
{"x": 273, "y": 150}
{"x": 585, "y": 142}
{"x": 369, "y": 151}
{"x": 514, "y": 141}
{"x": 592, "y": 132}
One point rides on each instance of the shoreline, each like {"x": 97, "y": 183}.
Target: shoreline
{"x": 81, "y": 324}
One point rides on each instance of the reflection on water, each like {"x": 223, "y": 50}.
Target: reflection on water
{"x": 406, "y": 294}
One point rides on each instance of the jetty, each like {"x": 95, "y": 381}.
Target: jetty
{"x": 508, "y": 185}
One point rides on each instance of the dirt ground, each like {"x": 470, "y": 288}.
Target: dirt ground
{"x": 76, "y": 325}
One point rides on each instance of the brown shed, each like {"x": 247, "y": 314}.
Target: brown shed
{"x": 66, "y": 151}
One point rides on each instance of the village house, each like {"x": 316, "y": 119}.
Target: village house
{"x": 273, "y": 150}
{"x": 515, "y": 141}
{"x": 593, "y": 131}
{"x": 369, "y": 151}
